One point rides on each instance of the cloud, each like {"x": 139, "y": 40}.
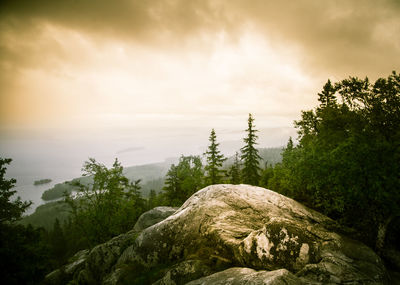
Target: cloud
{"x": 179, "y": 63}
{"x": 337, "y": 37}
{"x": 135, "y": 20}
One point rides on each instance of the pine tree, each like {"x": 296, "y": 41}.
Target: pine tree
{"x": 214, "y": 161}
{"x": 173, "y": 187}
{"x": 250, "y": 156}
{"x": 234, "y": 170}
{"x": 327, "y": 96}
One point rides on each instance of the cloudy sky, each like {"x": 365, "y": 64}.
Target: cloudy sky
{"x": 171, "y": 70}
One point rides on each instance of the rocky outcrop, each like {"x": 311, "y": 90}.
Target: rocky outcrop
{"x": 242, "y": 232}
{"x": 242, "y": 276}
{"x": 153, "y": 217}
{"x": 91, "y": 267}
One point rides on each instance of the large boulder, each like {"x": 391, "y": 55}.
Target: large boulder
{"x": 235, "y": 234}
{"x": 239, "y": 225}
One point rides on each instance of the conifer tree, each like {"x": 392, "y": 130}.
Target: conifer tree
{"x": 234, "y": 170}
{"x": 214, "y": 161}
{"x": 250, "y": 156}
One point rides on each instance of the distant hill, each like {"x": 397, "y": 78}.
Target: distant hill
{"x": 270, "y": 155}
{"x": 149, "y": 172}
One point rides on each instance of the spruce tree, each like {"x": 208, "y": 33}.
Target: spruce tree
{"x": 214, "y": 161}
{"x": 250, "y": 156}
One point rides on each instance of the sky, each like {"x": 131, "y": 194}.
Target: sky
{"x": 155, "y": 75}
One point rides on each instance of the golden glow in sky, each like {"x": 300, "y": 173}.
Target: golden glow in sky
{"x": 183, "y": 64}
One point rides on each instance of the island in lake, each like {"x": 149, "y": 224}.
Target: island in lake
{"x": 42, "y": 181}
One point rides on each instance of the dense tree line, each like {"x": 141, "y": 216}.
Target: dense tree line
{"x": 347, "y": 162}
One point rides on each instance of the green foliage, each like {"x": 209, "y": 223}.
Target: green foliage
{"x": 151, "y": 175}
{"x": 234, "y": 170}
{"x": 45, "y": 215}
{"x": 266, "y": 174}
{"x": 22, "y": 253}
{"x": 250, "y": 155}
{"x": 183, "y": 180}
{"x": 10, "y": 211}
{"x": 214, "y": 173}
{"x": 108, "y": 207}
{"x": 61, "y": 189}
{"x": 58, "y": 191}
{"x": 347, "y": 163}
{"x": 58, "y": 242}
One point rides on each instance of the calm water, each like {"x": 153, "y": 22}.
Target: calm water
{"x": 61, "y": 159}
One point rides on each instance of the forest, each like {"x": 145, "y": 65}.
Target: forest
{"x": 345, "y": 163}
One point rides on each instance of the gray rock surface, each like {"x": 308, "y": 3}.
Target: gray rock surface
{"x": 184, "y": 272}
{"x": 241, "y": 225}
{"x": 248, "y": 276}
{"x": 96, "y": 266}
{"x": 231, "y": 226}
{"x": 153, "y": 216}
{"x": 102, "y": 257}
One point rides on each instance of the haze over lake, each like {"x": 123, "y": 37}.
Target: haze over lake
{"x": 59, "y": 156}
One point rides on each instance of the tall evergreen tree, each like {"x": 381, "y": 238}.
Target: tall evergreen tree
{"x": 214, "y": 161}
{"x": 234, "y": 170}
{"x": 250, "y": 156}
{"x": 327, "y": 96}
